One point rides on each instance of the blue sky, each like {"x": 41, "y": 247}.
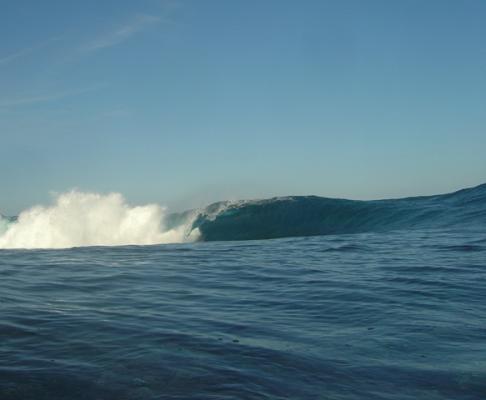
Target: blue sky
{"x": 187, "y": 102}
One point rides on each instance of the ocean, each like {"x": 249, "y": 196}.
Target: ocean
{"x": 384, "y": 300}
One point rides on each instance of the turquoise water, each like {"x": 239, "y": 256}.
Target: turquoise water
{"x": 384, "y": 315}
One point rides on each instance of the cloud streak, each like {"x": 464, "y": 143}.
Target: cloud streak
{"x": 138, "y": 24}
{"x": 11, "y": 57}
{"x": 24, "y": 52}
{"x": 25, "y": 101}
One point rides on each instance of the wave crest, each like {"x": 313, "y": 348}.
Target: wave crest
{"x": 89, "y": 219}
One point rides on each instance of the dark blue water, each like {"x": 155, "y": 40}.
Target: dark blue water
{"x": 311, "y": 215}
{"x": 393, "y": 315}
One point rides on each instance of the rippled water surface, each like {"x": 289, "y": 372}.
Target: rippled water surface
{"x": 367, "y": 316}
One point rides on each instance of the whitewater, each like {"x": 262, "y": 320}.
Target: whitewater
{"x": 89, "y": 219}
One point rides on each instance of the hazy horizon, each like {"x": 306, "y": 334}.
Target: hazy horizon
{"x": 199, "y": 202}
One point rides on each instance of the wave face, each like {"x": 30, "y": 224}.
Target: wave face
{"x": 88, "y": 219}
{"x": 312, "y": 215}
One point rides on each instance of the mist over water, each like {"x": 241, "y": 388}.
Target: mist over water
{"x": 89, "y": 219}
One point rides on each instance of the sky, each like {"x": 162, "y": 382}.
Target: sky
{"x": 187, "y": 102}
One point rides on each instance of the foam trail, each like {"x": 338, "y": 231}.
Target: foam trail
{"x": 90, "y": 219}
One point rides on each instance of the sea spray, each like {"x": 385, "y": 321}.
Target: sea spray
{"x": 89, "y": 219}
{"x": 4, "y": 223}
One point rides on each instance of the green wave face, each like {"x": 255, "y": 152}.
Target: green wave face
{"x": 312, "y": 215}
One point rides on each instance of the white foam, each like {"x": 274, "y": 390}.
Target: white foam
{"x": 90, "y": 219}
{"x": 4, "y": 222}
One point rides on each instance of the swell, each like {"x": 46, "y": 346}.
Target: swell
{"x": 312, "y": 215}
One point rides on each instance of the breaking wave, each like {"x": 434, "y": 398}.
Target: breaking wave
{"x": 88, "y": 219}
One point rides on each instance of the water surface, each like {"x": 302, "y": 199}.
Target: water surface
{"x": 397, "y": 315}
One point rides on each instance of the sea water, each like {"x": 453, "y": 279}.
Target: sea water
{"x": 391, "y": 315}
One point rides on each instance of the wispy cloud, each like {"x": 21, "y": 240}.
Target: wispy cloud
{"x": 117, "y": 113}
{"x": 138, "y": 24}
{"x": 24, "y": 101}
{"x": 13, "y": 56}
{"x": 26, "y": 51}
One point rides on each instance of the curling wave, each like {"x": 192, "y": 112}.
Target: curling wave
{"x": 88, "y": 219}
{"x": 312, "y": 215}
